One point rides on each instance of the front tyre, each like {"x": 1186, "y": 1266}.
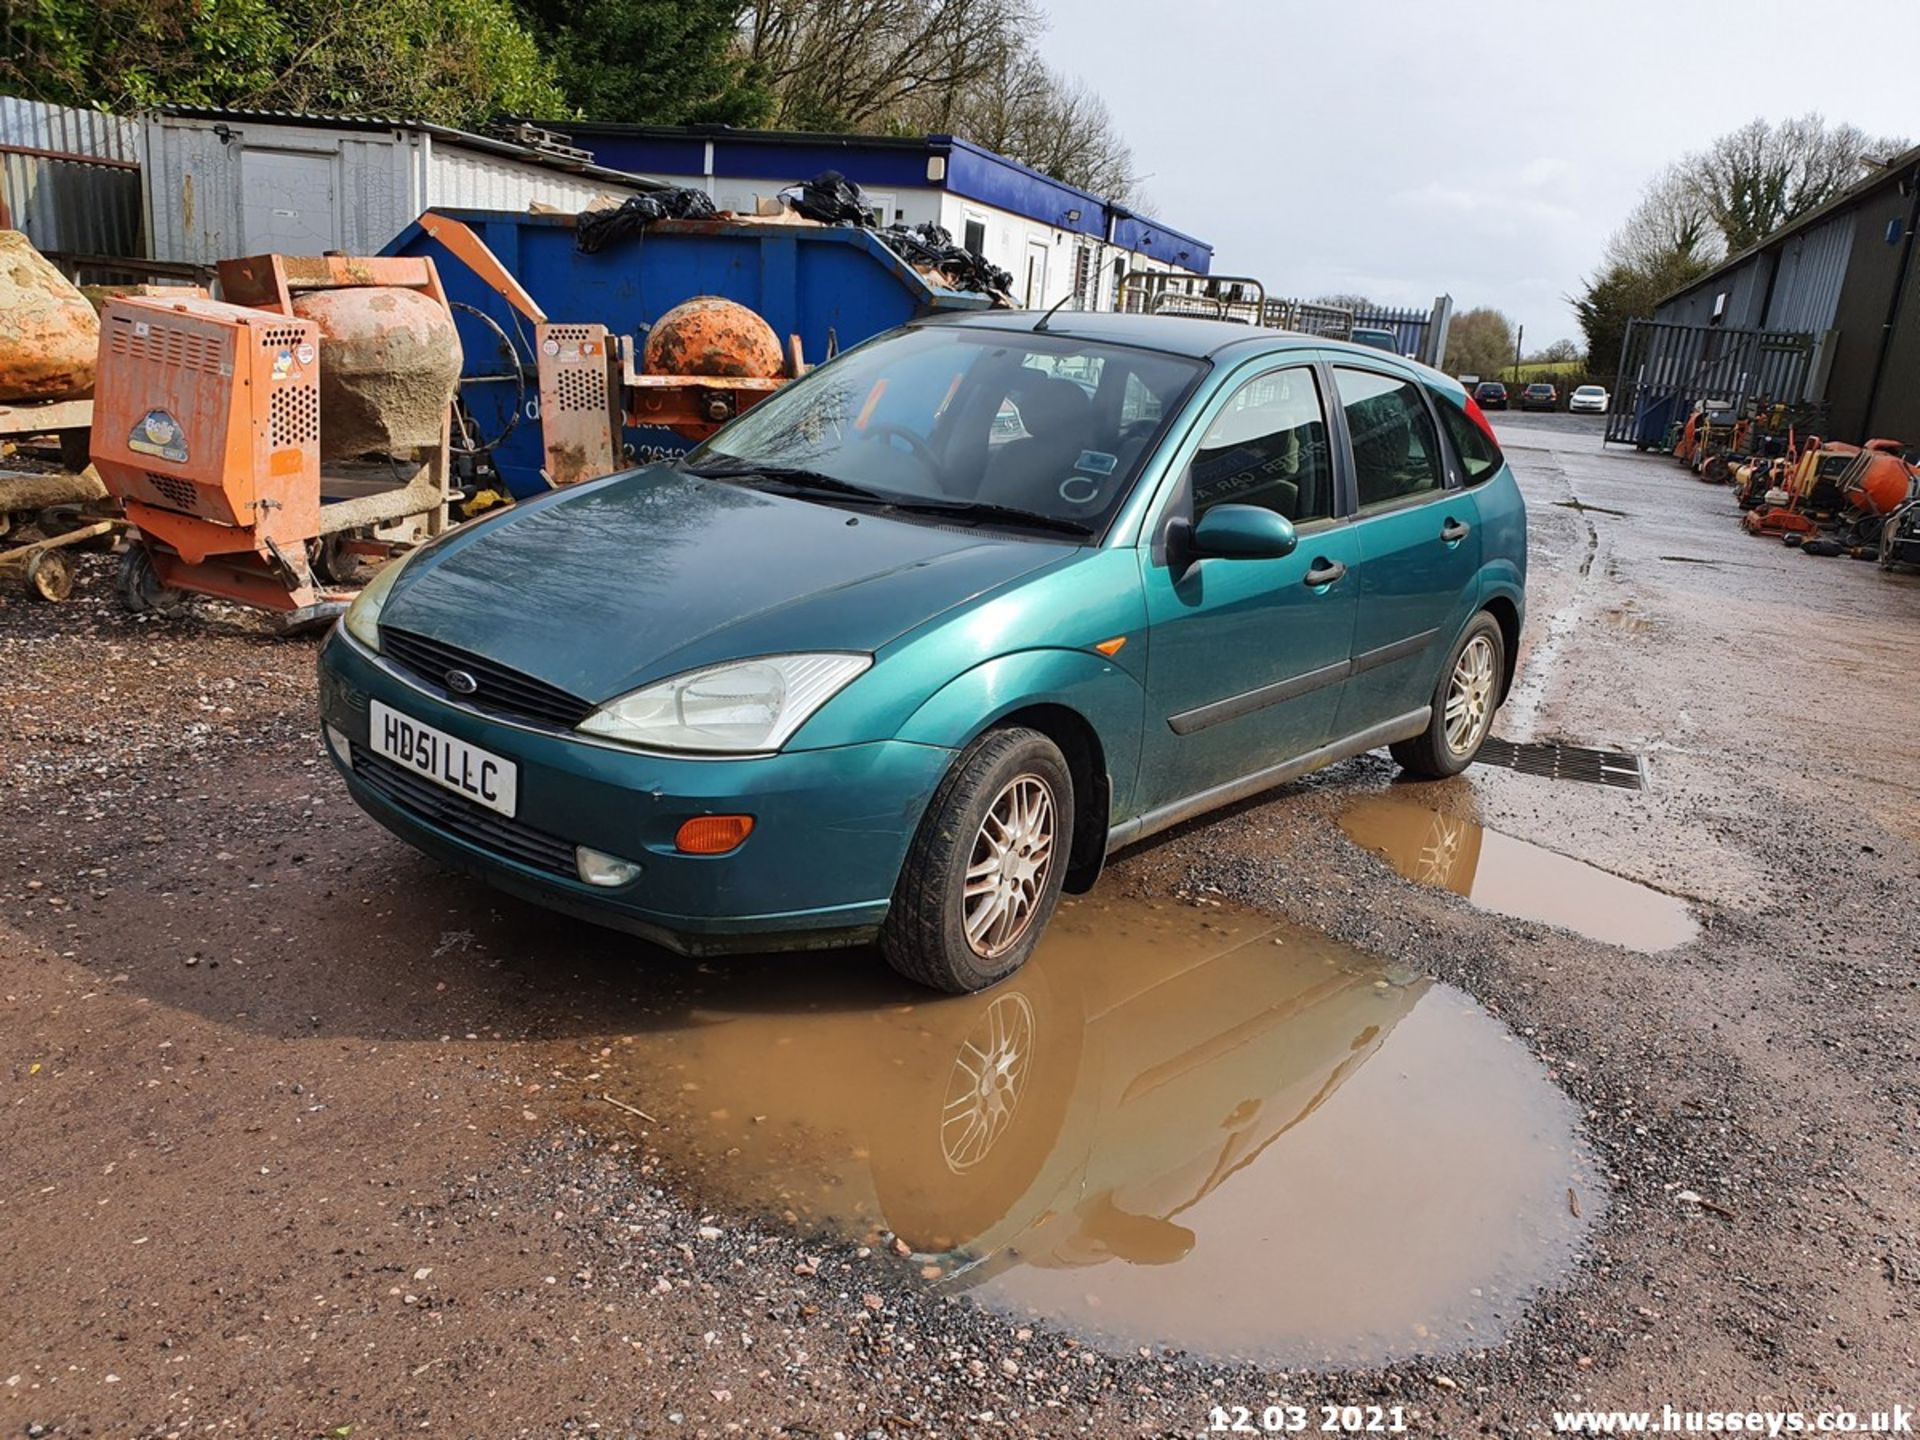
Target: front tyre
{"x": 1463, "y": 704}
{"x": 983, "y": 875}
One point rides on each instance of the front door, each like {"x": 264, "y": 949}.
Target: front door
{"x": 1247, "y": 655}
{"x": 1419, "y": 543}
{"x": 287, "y": 203}
{"x": 1036, "y": 274}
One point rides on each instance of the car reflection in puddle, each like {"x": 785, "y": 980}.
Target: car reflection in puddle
{"x": 1180, "y": 1126}
{"x": 1511, "y": 877}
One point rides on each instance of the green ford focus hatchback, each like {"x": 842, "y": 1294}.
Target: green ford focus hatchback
{"x": 918, "y": 641}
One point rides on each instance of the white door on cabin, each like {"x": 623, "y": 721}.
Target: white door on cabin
{"x": 287, "y": 203}
{"x": 1036, "y": 274}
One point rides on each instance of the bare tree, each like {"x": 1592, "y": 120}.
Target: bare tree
{"x": 1671, "y": 223}
{"x": 1755, "y": 179}
{"x": 1027, "y": 110}
{"x": 858, "y": 64}
{"x": 964, "y": 67}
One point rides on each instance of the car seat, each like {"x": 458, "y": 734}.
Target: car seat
{"x": 1026, "y": 473}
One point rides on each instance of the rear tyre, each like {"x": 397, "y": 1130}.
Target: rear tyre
{"x": 1463, "y": 704}
{"x": 983, "y": 875}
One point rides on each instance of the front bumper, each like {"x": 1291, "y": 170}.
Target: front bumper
{"x": 831, "y": 827}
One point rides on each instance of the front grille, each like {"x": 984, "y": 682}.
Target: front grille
{"x": 473, "y": 823}
{"x": 499, "y": 691}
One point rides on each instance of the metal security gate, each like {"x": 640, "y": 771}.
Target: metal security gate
{"x": 1667, "y": 369}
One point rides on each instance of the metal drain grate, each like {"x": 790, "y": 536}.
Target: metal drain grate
{"x": 1566, "y": 762}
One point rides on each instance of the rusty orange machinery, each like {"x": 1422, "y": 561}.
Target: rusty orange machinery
{"x": 1831, "y": 480}
{"x": 1880, "y": 481}
{"x": 208, "y": 428}
{"x": 1783, "y": 497}
{"x": 704, "y": 361}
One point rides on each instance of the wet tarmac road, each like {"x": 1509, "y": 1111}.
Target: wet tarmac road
{"x": 303, "y": 1133}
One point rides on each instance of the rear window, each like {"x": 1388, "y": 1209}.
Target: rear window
{"x": 1479, "y": 456}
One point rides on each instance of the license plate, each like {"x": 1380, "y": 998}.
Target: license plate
{"x": 450, "y": 762}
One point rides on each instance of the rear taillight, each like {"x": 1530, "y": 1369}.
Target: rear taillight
{"x": 1479, "y": 417}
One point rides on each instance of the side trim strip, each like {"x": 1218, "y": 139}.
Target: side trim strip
{"x": 1399, "y": 650}
{"x": 1401, "y": 727}
{"x": 1234, "y": 706}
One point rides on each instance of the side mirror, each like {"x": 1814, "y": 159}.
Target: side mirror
{"x": 1244, "y": 532}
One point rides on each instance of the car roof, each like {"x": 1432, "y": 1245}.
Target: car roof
{"x": 1171, "y": 334}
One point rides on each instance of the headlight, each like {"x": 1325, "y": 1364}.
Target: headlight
{"x": 744, "y": 707}
{"x": 363, "y": 616}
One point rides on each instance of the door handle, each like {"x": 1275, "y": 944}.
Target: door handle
{"x": 1453, "y": 532}
{"x": 1324, "y": 572}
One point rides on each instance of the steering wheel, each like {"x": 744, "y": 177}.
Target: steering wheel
{"x": 919, "y": 448}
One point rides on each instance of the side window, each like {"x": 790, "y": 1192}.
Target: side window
{"x": 1268, "y": 447}
{"x": 1138, "y": 403}
{"x": 1479, "y": 456}
{"x": 1396, "y": 452}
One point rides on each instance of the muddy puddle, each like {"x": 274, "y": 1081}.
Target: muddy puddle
{"x": 1176, "y": 1126}
{"x": 1512, "y": 877}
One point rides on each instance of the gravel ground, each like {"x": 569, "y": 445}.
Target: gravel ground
{"x": 302, "y": 1134}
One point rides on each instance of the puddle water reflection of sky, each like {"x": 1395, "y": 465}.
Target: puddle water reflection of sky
{"x": 1176, "y": 1126}
{"x": 1511, "y": 877}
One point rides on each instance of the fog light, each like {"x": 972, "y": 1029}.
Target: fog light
{"x": 337, "y": 742}
{"x": 598, "y": 868}
{"x": 713, "y": 834}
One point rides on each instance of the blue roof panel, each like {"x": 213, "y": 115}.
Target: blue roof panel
{"x": 886, "y": 162}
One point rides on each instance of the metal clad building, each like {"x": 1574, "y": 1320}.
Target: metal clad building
{"x": 70, "y": 179}
{"x": 1848, "y": 274}
{"x": 233, "y": 182}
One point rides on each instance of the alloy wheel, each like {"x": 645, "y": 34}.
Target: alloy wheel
{"x": 1007, "y": 869}
{"x": 1470, "y": 696}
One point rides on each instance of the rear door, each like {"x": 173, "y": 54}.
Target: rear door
{"x": 1418, "y": 536}
{"x": 1247, "y": 655}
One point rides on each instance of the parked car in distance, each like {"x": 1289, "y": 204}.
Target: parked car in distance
{"x": 1588, "y": 400}
{"x": 1540, "y": 396}
{"x": 872, "y": 663}
{"x": 1490, "y": 395}
{"x": 1376, "y": 337}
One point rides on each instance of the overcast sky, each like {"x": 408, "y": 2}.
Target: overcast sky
{"x": 1401, "y": 149}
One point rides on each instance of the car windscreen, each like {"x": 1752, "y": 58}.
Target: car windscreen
{"x": 1002, "y": 422}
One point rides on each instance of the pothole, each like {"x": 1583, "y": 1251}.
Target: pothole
{"x": 1174, "y": 1127}
{"x": 1513, "y": 877}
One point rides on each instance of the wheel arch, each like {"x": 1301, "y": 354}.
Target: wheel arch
{"x": 1086, "y": 704}
{"x": 1507, "y": 615}
{"x": 1092, "y": 784}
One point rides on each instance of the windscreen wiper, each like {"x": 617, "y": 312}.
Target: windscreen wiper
{"x": 792, "y": 476}
{"x": 1004, "y": 514}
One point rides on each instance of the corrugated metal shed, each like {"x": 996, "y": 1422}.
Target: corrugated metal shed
{"x": 222, "y": 183}
{"x": 1808, "y": 270}
{"x": 70, "y": 179}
